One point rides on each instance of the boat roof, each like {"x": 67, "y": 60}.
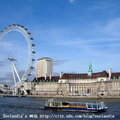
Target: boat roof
{"x": 50, "y": 100}
{"x": 54, "y": 100}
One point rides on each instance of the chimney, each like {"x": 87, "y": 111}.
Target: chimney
{"x": 36, "y": 76}
{"x": 45, "y": 76}
{"x": 110, "y": 73}
{"x": 50, "y": 76}
{"x": 61, "y": 74}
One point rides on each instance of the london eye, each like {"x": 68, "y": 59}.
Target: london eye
{"x": 16, "y": 44}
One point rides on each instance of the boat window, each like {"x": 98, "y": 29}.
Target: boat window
{"x": 65, "y": 103}
{"x": 103, "y": 105}
{"x": 94, "y": 106}
{"x": 82, "y": 105}
{"x": 51, "y": 103}
{"x": 48, "y": 103}
{"x": 89, "y": 105}
{"x": 56, "y": 104}
{"x": 99, "y": 106}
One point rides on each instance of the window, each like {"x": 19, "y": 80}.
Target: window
{"x": 89, "y": 105}
{"x": 94, "y": 106}
{"x": 88, "y": 90}
{"x": 99, "y": 106}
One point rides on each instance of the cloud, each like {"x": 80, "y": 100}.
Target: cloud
{"x": 1, "y": 63}
{"x": 71, "y": 1}
{"x": 74, "y": 42}
{"x": 113, "y": 27}
{"x": 100, "y": 44}
{"x": 92, "y": 43}
{"x": 30, "y": 9}
{"x": 7, "y": 77}
{"x": 56, "y": 74}
{"x": 96, "y": 42}
{"x": 8, "y": 81}
{"x": 6, "y": 46}
{"x": 103, "y": 6}
{"x": 59, "y": 62}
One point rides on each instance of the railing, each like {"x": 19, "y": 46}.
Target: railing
{"x": 86, "y": 105}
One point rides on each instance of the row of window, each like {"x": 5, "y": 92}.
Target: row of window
{"x": 45, "y": 81}
{"x": 115, "y": 79}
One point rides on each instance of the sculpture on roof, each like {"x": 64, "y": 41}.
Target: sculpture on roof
{"x": 90, "y": 70}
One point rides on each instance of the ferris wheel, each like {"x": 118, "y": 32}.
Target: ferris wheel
{"x": 16, "y": 45}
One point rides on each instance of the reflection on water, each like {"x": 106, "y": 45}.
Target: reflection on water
{"x": 32, "y": 108}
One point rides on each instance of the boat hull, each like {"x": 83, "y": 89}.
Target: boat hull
{"x": 75, "y": 109}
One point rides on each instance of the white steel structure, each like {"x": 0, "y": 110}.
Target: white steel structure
{"x": 14, "y": 70}
{"x": 26, "y": 35}
{"x": 44, "y": 67}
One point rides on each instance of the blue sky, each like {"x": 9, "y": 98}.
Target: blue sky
{"x": 72, "y": 32}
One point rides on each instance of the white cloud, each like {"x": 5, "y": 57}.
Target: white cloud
{"x": 96, "y": 42}
{"x": 71, "y": 1}
{"x": 30, "y": 9}
{"x": 7, "y": 81}
{"x": 113, "y": 27}
{"x": 2, "y": 63}
{"x": 102, "y": 5}
{"x": 59, "y": 62}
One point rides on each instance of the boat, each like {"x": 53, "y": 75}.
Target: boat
{"x": 53, "y": 104}
{"x": 12, "y": 96}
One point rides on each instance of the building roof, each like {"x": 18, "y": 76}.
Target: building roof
{"x": 84, "y": 76}
{"x": 77, "y": 76}
{"x": 42, "y": 79}
{"x": 115, "y": 75}
{"x": 46, "y": 58}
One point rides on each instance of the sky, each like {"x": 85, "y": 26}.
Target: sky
{"x": 71, "y": 32}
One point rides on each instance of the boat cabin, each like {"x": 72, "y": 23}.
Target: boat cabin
{"x": 85, "y": 105}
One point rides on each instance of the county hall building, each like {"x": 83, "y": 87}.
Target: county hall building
{"x": 100, "y": 84}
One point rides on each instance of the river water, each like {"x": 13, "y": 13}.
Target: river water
{"x": 32, "y": 109}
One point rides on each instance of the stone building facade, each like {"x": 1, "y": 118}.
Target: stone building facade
{"x": 44, "y": 67}
{"x": 99, "y": 84}
{"x": 45, "y": 86}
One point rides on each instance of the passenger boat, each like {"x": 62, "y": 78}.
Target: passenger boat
{"x": 75, "y": 106}
{"x": 12, "y": 96}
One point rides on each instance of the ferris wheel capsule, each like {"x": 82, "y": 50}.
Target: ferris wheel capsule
{"x": 29, "y": 33}
{"x": 33, "y": 52}
{"x": 31, "y": 38}
{"x": 33, "y": 59}
{"x": 22, "y": 26}
{"x": 33, "y": 45}
{"x": 25, "y": 28}
{"x": 31, "y": 67}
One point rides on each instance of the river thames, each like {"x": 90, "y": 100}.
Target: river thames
{"x": 32, "y": 108}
